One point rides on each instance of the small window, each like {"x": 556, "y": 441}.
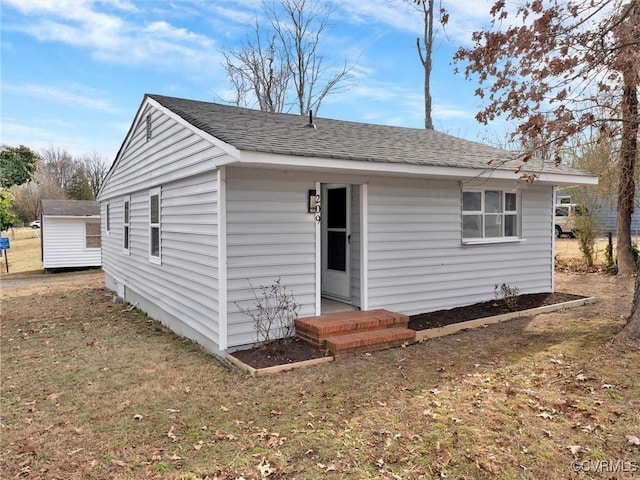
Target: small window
{"x": 154, "y": 225}
{"x": 108, "y": 216}
{"x": 92, "y": 235}
{"x": 126, "y": 225}
{"x": 489, "y": 214}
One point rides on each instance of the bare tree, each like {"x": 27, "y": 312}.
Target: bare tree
{"x": 59, "y": 163}
{"x": 281, "y": 64}
{"x": 259, "y": 70}
{"x": 28, "y": 197}
{"x": 95, "y": 169}
{"x": 425, "y": 52}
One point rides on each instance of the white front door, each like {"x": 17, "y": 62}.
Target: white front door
{"x": 336, "y": 240}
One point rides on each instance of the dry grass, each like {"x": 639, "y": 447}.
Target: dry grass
{"x": 90, "y": 390}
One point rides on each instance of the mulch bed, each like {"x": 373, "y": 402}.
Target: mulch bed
{"x": 442, "y": 318}
{"x": 296, "y": 351}
{"x": 299, "y": 350}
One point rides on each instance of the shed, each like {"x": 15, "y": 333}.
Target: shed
{"x": 70, "y": 234}
{"x": 204, "y": 200}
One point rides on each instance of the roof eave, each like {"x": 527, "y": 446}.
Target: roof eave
{"x": 398, "y": 168}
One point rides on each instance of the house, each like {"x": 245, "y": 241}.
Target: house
{"x": 204, "y": 200}
{"x": 70, "y": 232}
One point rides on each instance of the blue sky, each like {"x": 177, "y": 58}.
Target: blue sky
{"x": 74, "y": 72}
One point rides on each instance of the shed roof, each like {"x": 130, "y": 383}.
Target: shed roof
{"x": 288, "y": 134}
{"x": 71, "y": 208}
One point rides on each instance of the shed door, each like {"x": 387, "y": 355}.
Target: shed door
{"x": 336, "y": 239}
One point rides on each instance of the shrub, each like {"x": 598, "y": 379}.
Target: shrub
{"x": 274, "y": 315}
{"x": 508, "y": 295}
{"x": 588, "y": 230}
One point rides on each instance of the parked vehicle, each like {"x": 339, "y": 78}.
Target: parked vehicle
{"x": 35, "y": 224}
{"x": 565, "y": 219}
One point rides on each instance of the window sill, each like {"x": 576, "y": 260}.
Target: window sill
{"x": 490, "y": 241}
{"x": 155, "y": 260}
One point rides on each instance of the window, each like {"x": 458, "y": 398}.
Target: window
{"x": 92, "y": 235}
{"x": 126, "y": 229}
{"x": 108, "y": 215}
{"x": 489, "y": 214}
{"x": 154, "y": 225}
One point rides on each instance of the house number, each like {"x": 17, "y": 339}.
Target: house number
{"x": 318, "y": 209}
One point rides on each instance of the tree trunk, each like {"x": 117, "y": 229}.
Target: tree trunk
{"x": 631, "y": 330}
{"x": 426, "y": 59}
{"x": 626, "y": 187}
{"x": 626, "y": 192}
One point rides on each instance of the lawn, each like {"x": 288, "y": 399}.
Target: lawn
{"x": 94, "y": 389}
{"x": 24, "y": 253}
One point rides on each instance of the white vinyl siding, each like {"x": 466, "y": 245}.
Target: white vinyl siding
{"x": 155, "y": 239}
{"x": 64, "y": 242}
{"x": 416, "y": 260}
{"x": 173, "y": 152}
{"x": 182, "y": 291}
{"x": 270, "y": 235}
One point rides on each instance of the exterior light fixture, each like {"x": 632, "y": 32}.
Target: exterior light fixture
{"x": 312, "y": 201}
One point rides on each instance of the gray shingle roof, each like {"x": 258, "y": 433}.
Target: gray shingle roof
{"x": 287, "y": 134}
{"x": 71, "y": 208}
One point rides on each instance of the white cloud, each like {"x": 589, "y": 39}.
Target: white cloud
{"x": 90, "y": 99}
{"x": 126, "y": 40}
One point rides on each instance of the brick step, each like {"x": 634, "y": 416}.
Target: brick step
{"x": 360, "y": 342}
{"x": 316, "y": 330}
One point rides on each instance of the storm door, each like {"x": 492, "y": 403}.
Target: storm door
{"x": 336, "y": 240}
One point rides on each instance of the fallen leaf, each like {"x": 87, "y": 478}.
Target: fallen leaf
{"x": 198, "y": 445}
{"x": 119, "y": 463}
{"x": 606, "y": 386}
{"x": 545, "y": 415}
{"x": 137, "y": 416}
{"x": 223, "y": 408}
{"x": 581, "y": 377}
{"x": 172, "y": 410}
{"x": 265, "y": 469}
{"x": 633, "y": 440}
{"x": 171, "y": 433}
{"x": 574, "y": 449}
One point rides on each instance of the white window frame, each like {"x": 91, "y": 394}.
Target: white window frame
{"x": 87, "y": 236}
{"x": 483, "y": 239}
{"x": 108, "y": 218}
{"x": 126, "y": 225}
{"x": 155, "y": 225}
